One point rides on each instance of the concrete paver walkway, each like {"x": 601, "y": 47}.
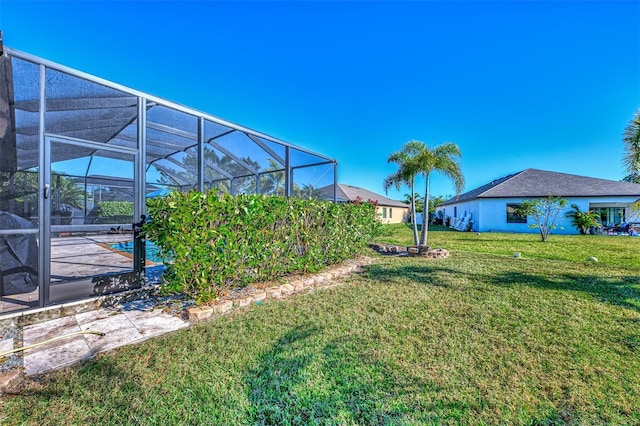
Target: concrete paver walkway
{"x": 121, "y": 327}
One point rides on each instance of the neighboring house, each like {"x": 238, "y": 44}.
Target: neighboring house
{"x": 493, "y": 207}
{"x": 388, "y": 210}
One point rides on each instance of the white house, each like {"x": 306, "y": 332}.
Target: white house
{"x": 493, "y": 207}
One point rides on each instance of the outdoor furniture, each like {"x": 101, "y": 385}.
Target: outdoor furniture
{"x": 463, "y": 224}
{"x": 18, "y": 256}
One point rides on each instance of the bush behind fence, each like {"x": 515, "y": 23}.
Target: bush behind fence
{"x": 218, "y": 241}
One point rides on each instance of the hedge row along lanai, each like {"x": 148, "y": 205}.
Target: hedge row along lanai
{"x": 218, "y": 241}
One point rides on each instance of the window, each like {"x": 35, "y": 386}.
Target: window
{"x": 455, "y": 211}
{"x": 390, "y": 213}
{"x": 610, "y": 216}
{"x": 384, "y": 212}
{"x": 513, "y": 216}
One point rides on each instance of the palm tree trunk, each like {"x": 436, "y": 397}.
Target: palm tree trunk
{"x": 413, "y": 213}
{"x": 425, "y": 215}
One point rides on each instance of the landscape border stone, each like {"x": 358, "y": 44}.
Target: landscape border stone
{"x": 413, "y": 251}
{"x": 323, "y": 279}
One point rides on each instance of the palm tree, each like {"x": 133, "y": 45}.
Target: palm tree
{"x": 444, "y": 159}
{"x": 405, "y": 175}
{"x": 273, "y": 179}
{"x": 310, "y": 192}
{"x": 417, "y": 199}
{"x": 631, "y": 140}
{"x": 67, "y": 194}
{"x": 631, "y": 159}
{"x": 416, "y": 158}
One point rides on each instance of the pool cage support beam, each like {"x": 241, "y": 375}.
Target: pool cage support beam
{"x": 200, "y": 154}
{"x": 44, "y": 209}
{"x": 288, "y": 177}
{"x": 335, "y": 181}
{"x": 265, "y": 147}
{"x": 140, "y": 186}
{"x": 234, "y": 157}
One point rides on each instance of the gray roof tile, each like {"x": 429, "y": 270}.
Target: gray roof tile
{"x": 542, "y": 183}
{"x": 351, "y": 193}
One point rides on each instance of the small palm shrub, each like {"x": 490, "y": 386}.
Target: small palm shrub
{"x": 583, "y": 220}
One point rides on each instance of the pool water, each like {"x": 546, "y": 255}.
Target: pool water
{"x": 151, "y": 250}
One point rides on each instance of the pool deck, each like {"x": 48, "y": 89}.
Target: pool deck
{"x": 74, "y": 258}
{"x": 77, "y": 257}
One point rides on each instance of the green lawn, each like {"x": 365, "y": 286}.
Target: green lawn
{"x": 478, "y": 338}
{"x": 610, "y": 250}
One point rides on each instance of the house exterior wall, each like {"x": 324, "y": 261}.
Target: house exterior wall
{"x": 458, "y": 210}
{"x": 490, "y": 214}
{"x": 391, "y": 214}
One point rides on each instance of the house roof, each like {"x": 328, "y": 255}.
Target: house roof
{"x": 351, "y": 193}
{"x": 542, "y": 183}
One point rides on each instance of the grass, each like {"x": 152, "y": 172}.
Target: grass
{"x": 609, "y": 250}
{"x": 477, "y": 338}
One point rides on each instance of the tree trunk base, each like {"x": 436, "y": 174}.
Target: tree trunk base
{"x": 426, "y": 251}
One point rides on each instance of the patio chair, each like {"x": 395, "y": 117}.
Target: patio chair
{"x": 18, "y": 257}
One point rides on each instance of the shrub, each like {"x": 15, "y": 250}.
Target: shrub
{"x": 113, "y": 212}
{"x": 583, "y": 220}
{"x": 544, "y": 212}
{"x": 218, "y": 241}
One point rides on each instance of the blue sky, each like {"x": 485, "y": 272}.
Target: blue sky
{"x": 516, "y": 84}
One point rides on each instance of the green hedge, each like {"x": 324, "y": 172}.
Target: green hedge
{"x": 219, "y": 241}
{"x": 115, "y": 208}
{"x": 113, "y": 212}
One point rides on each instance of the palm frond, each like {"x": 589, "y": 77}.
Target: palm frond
{"x": 631, "y": 140}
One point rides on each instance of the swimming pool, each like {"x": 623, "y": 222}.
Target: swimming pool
{"x": 151, "y": 250}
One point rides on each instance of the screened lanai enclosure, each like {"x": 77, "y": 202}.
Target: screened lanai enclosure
{"x": 79, "y": 157}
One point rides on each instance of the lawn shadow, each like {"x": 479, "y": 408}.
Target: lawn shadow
{"x": 336, "y": 382}
{"x": 420, "y": 274}
{"x": 278, "y": 372}
{"x": 623, "y": 291}
{"x": 617, "y": 291}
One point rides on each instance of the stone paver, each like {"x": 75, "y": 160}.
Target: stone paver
{"x": 222, "y": 307}
{"x": 96, "y": 315}
{"x": 245, "y": 301}
{"x": 200, "y": 313}
{"x": 154, "y": 323}
{"x": 274, "y": 292}
{"x": 259, "y": 296}
{"x": 9, "y": 378}
{"x": 298, "y": 285}
{"x": 49, "y": 329}
{"x": 119, "y": 328}
{"x": 6, "y": 345}
{"x": 287, "y": 289}
{"x": 58, "y": 353}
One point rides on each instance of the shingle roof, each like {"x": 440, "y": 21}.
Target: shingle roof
{"x": 351, "y": 193}
{"x": 542, "y": 183}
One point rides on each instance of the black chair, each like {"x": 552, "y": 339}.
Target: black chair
{"x": 18, "y": 256}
